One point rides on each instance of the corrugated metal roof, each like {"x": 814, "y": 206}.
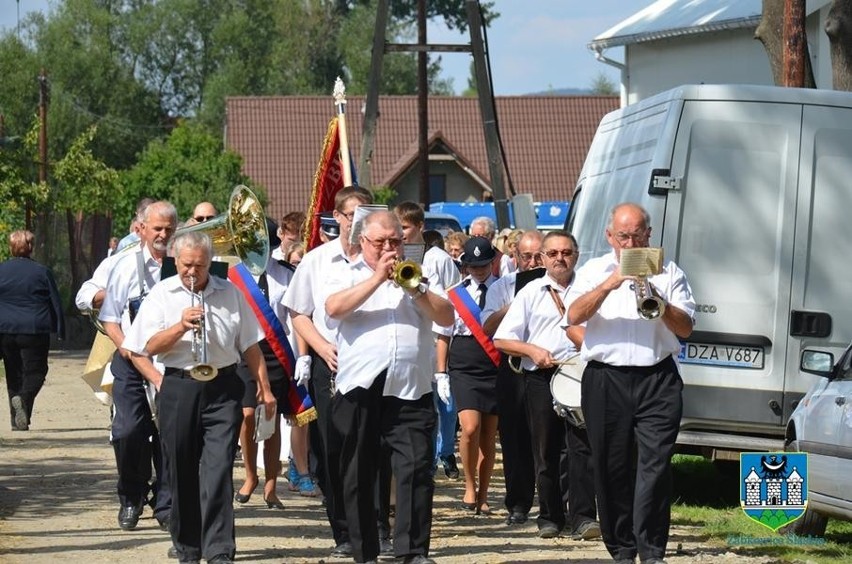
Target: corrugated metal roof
{"x": 672, "y": 18}
{"x": 545, "y": 137}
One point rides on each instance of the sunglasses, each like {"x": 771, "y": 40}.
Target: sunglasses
{"x": 203, "y": 218}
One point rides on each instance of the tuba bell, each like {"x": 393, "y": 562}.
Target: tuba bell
{"x": 240, "y": 231}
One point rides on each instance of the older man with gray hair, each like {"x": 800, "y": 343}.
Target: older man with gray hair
{"x": 483, "y": 226}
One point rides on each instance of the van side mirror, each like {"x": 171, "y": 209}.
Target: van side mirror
{"x": 817, "y": 362}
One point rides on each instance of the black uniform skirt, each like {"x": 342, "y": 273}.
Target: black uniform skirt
{"x": 473, "y": 376}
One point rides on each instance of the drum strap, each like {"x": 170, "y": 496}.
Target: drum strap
{"x": 560, "y": 306}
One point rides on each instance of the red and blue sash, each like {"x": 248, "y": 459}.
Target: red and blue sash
{"x": 297, "y": 396}
{"x": 469, "y": 312}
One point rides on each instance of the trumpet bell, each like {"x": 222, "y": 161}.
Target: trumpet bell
{"x": 240, "y": 231}
{"x": 203, "y": 372}
{"x": 407, "y": 274}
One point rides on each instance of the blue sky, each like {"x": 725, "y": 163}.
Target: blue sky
{"x": 535, "y": 45}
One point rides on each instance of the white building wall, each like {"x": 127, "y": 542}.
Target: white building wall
{"x": 730, "y": 57}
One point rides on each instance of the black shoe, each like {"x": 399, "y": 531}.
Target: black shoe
{"x": 342, "y": 550}
{"x": 221, "y": 559}
{"x": 587, "y": 531}
{"x": 128, "y": 517}
{"x": 19, "y": 413}
{"x": 172, "y": 553}
{"x": 385, "y": 547}
{"x": 516, "y": 518}
{"x": 653, "y": 561}
{"x": 450, "y": 468}
{"x": 548, "y": 531}
{"x": 417, "y": 559}
{"x": 165, "y": 522}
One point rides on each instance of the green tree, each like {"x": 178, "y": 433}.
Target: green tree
{"x": 188, "y": 167}
{"x": 602, "y": 85}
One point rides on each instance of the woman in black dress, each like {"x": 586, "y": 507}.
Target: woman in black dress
{"x": 473, "y": 378}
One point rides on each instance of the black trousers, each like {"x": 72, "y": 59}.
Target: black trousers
{"x": 326, "y": 449}
{"x": 625, "y": 408}
{"x": 515, "y": 439}
{"x": 136, "y": 441}
{"x": 548, "y": 438}
{"x": 364, "y": 418}
{"x": 578, "y": 477}
{"x": 200, "y": 423}
{"x": 25, "y": 361}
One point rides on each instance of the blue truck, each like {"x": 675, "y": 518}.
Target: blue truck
{"x": 550, "y": 215}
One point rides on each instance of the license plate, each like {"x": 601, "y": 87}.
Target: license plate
{"x": 721, "y": 355}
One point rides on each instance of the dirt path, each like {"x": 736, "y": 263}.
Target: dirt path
{"x": 58, "y": 503}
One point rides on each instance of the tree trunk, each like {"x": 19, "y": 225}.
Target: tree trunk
{"x": 770, "y": 32}
{"x": 838, "y": 28}
{"x": 75, "y": 231}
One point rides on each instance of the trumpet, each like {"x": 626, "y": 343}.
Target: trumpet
{"x": 201, "y": 369}
{"x": 648, "y": 303}
{"x": 407, "y": 274}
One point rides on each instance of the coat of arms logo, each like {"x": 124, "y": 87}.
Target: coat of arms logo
{"x": 774, "y": 487}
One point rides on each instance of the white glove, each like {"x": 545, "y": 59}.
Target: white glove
{"x": 442, "y": 379}
{"x": 303, "y": 370}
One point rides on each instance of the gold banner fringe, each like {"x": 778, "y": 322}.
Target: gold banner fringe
{"x": 306, "y": 416}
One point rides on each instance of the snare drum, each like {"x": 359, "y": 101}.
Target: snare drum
{"x": 565, "y": 389}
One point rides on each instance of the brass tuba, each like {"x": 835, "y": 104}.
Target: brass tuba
{"x": 240, "y": 231}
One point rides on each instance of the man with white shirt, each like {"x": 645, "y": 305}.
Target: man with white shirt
{"x": 134, "y": 437}
{"x": 515, "y": 437}
{"x": 441, "y": 270}
{"x": 531, "y": 329}
{"x": 384, "y": 389}
{"x": 631, "y": 391}
{"x": 306, "y": 302}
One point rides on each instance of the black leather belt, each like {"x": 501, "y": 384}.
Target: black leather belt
{"x": 230, "y": 370}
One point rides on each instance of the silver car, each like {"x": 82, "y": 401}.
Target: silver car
{"x": 821, "y": 425}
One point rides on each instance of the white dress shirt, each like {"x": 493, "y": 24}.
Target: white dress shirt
{"x": 310, "y": 284}
{"x": 533, "y": 317}
{"x": 231, "y": 324}
{"x": 278, "y": 279}
{"x": 387, "y": 332}
{"x": 442, "y": 272}
{"x": 507, "y": 265}
{"x": 123, "y": 285}
{"x": 499, "y": 295}
{"x": 615, "y": 334}
{"x": 460, "y": 328}
{"x": 96, "y": 283}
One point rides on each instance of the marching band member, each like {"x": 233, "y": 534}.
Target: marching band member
{"x": 383, "y": 389}
{"x": 134, "y": 437}
{"x": 631, "y": 391}
{"x": 307, "y": 309}
{"x": 515, "y": 438}
{"x": 472, "y": 367}
{"x": 531, "y": 329}
{"x": 441, "y": 270}
{"x": 200, "y": 420}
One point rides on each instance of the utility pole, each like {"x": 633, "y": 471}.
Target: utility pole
{"x": 422, "y": 107}
{"x": 43, "y": 96}
{"x": 486, "y": 101}
{"x": 794, "y": 44}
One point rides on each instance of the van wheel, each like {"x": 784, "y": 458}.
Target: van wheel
{"x": 811, "y": 524}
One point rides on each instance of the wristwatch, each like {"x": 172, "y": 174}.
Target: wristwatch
{"x": 419, "y": 291}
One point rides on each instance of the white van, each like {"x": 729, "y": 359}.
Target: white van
{"x": 750, "y": 191}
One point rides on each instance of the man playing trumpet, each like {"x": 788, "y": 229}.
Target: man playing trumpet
{"x": 384, "y": 389}
{"x": 199, "y": 420}
{"x": 631, "y": 391}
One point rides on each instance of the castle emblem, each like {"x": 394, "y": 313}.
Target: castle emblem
{"x": 773, "y": 487}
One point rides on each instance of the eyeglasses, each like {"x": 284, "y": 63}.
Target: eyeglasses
{"x": 380, "y": 243}
{"x": 203, "y": 218}
{"x": 553, "y": 253}
{"x": 639, "y": 237}
{"x": 350, "y": 216}
{"x": 526, "y": 257}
